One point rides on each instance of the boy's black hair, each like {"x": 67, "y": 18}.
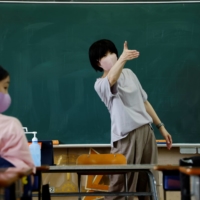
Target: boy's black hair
{"x": 98, "y": 50}
{"x": 3, "y": 73}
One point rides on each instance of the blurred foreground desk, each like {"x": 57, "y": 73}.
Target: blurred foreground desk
{"x": 101, "y": 170}
{"x": 194, "y": 173}
{"x": 10, "y": 176}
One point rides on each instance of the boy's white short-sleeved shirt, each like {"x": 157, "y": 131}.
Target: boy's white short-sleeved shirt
{"x": 125, "y": 102}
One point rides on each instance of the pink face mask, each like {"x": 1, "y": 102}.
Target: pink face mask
{"x": 5, "y": 102}
{"x": 107, "y": 62}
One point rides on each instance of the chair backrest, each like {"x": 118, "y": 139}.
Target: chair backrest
{"x": 93, "y": 159}
{"x": 47, "y": 152}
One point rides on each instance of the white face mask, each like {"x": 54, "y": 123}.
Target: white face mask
{"x": 107, "y": 62}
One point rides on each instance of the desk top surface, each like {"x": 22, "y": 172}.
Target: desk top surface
{"x": 101, "y": 167}
{"x": 189, "y": 145}
{"x": 166, "y": 167}
{"x": 190, "y": 170}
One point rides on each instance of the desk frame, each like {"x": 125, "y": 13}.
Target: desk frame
{"x": 105, "y": 169}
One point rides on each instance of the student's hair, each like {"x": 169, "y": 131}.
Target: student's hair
{"x": 3, "y": 73}
{"x": 98, "y": 50}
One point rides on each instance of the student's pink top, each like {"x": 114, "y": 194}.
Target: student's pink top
{"x": 13, "y": 143}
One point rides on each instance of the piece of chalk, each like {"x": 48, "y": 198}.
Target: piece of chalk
{"x": 55, "y": 142}
{"x": 161, "y": 141}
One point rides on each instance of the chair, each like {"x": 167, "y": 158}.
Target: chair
{"x": 96, "y": 159}
{"x": 93, "y": 159}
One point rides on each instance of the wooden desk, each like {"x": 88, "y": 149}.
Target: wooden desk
{"x": 166, "y": 167}
{"x": 195, "y": 171}
{"x": 108, "y": 169}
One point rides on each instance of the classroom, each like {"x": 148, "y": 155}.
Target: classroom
{"x": 44, "y": 45}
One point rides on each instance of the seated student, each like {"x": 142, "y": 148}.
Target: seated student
{"x": 14, "y": 150}
{"x": 13, "y": 143}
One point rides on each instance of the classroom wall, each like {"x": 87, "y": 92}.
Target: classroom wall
{"x": 69, "y": 155}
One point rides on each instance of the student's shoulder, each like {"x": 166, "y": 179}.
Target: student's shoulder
{"x": 10, "y": 121}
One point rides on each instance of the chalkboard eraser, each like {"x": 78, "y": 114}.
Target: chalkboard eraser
{"x": 188, "y": 150}
{"x": 55, "y": 142}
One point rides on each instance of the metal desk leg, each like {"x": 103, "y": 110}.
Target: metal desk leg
{"x": 126, "y": 184}
{"x": 152, "y": 185}
{"x": 40, "y": 184}
{"x": 79, "y": 185}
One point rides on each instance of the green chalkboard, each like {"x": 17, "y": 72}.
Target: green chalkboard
{"x": 45, "y": 49}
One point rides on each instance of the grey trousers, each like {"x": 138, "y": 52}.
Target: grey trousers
{"x": 139, "y": 147}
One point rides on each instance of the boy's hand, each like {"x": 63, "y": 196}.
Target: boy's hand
{"x": 167, "y": 137}
{"x": 129, "y": 54}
